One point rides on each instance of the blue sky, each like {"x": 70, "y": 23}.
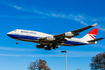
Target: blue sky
{"x": 52, "y": 17}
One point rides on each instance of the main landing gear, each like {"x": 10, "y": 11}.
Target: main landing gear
{"x": 55, "y": 47}
{"x": 17, "y": 41}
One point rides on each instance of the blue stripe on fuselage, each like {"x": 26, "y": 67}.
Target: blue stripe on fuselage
{"x": 23, "y": 37}
{"x": 74, "y": 43}
{"x": 35, "y": 38}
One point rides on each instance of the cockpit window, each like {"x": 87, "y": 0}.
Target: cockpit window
{"x": 15, "y": 30}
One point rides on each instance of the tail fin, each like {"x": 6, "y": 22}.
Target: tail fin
{"x": 91, "y": 35}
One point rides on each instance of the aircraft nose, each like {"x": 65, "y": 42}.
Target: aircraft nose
{"x": 8, "y": 33}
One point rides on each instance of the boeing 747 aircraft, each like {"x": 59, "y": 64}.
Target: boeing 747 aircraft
{"x": 48, "y": 41}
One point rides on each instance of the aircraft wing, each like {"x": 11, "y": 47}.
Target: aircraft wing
{"x": 56, "y": 40}
{"x": 85, "y": 28}
{"x": 61, "y": 37}
{"x": 75, "y": 32}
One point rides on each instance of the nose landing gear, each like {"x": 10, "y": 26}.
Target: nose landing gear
{"x": 17, "y": 41}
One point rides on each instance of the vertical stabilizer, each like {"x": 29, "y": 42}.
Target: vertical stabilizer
{"x": 91, "y": 35}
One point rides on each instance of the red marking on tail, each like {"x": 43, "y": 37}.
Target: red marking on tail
{"x": 94, "y": 31}
{"x": 92, "y": 36}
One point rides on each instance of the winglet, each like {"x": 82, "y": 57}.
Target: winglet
{"x": 94, "y": 24}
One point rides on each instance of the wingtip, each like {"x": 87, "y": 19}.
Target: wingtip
{"x": 94, "y": 24}
{"x": 103, "y": 37}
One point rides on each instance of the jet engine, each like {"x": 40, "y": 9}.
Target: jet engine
{"x": 39, "y": 46}
{"x": 50, "y": 38}
{"x": 68, "y": 34}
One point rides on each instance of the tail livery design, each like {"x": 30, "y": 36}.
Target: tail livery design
{"x": 91, "y": 35}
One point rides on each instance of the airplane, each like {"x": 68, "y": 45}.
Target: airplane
{"x": 48, "y": 41}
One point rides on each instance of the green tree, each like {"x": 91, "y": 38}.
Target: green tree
{"x": 98, "y": 62}
{"x": 38, "y": 65}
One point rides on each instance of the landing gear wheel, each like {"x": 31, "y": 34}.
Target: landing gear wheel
{"x": 54, "y": 47}
{"x": 17, "y": 42}
{"x": 49, "y": 48}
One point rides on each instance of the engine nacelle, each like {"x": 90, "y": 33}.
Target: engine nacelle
{"x": 39, "y": 46}
{"x": 50, "y": 38}
{"x": 68, "y": 34}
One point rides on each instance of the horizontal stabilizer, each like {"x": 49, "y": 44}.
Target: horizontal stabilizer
{"x": 96, "y": 39}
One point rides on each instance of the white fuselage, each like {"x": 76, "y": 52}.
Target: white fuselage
{"x": 32, "y": 36}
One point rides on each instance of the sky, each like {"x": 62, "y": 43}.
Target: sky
{"x": 52, "y": 17}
